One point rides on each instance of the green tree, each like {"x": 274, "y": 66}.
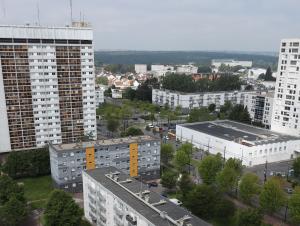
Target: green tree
{"x": 249, "y": 186}
{"x": 202, "y": 201}
{"x": 169, "y": 179}
{"x": 296, "y": 167}
{"x": 8, "y": 189}
{"x": 248, "y": 217}
{"x": 240, "y": 113}
{"x": 294, "y": 206}
{"x": 61, "y": 210}
{"x": 129, "y": 93}
{"x": 272, "y": 197}
{"x": 185, "y": 184}
{"x": 132, "y": 131}
{"x": 103, "y": 80}
{"x": 182, "y": 160}
{"x": 235, "y": 164}
{"x": 200, "y": 115}
{"x": 224, "y": 210}
{"x": 13, "y": 212}
{"x": 209, "y": 168}
{"x": 227, "y": 179}
{"x": 112, "y": 125}
{"x": 212, "y": 107}
{"x": 166, "y": 153}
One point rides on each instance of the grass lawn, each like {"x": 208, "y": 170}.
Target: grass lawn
{"x": 37, "y": 190}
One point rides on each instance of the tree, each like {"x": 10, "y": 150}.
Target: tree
{"x": 204, "y": 69}
{"x": 227, "y": 179}
{"x": 272, "y": 197}
{"x": 102, "y": 80}
{"x": 13, "y": 212}
{"x": 29, "y": 163}
{"x": 181, "y": 160}
{"x": 132, "y": 131}
{"x": 296, "y": 167}
{"x": 185, "y": 184}
{"x": 112, "y": 124}
{"x": 212, "y": 107}
{"x": 248, "y": 217}
{"x": 235, "y": 164}
{"x": 240, "y": 113}
{"x": 209, "y": 168}
{"x": 129, "y": 93}
{"x": 62, "y": 210}
{"x": 200, "y": 115}
{"x": 224, "y": 209}
{"x": 249, "y": 186}
{"x": 202, "y": 201}
{"x": 294, "y": 206}
{"x": 166, "y": 153}
{"x": 169, "y": 179}
{"x": 8, "y": 189}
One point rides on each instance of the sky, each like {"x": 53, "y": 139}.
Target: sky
{"x": 214, "y": 25}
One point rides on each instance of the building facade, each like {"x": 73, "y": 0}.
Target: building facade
{"x": 197, "y": 100}
{"x": 99, "y": 95}
{"x": 252, "y": 145}
{"x": 186, "y": 69}
{"x": 136, "y": 156}
{"x": 47, "y": 86}
{"x": 230, "y": 62}
{"x": 113, "y": 198}
{"x": 286, "y": 110}
{"x": 161, "y": 70}
{"x": 140, "y": 68}
{"x": 260, "y": 107}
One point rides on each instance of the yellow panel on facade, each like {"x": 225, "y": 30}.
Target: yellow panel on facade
{"x": 133, "y": 164}
{"x": 90, "y": 158}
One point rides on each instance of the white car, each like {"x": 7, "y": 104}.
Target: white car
{"x": 150, "y": 125}
{"x": 176, "y": 202}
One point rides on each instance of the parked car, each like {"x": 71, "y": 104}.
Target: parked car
{"x": 152, "y": 184}
{"x": 176, "y": 202}
{"x": 289, "y": 190}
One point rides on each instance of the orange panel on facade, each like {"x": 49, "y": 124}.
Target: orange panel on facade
{"x": 90, "y": 158}
{"x": 133, "y": 148}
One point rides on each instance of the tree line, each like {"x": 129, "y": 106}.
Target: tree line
{"x": 185, "y": 83}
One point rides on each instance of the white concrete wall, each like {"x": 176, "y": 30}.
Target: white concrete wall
{"x": 4, "y": 129}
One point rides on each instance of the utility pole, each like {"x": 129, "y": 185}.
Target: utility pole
{"x": 224, "y": 155}
{"x": 265, "y": 171}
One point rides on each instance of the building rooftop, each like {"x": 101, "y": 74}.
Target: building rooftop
{"x": 124, "y": 140}
{"x": 238, "y": 132}
{"x": 154, "y": 207}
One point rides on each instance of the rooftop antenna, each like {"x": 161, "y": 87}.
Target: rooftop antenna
{"x": 38, "y": 13}
{"x": 71, "y": 11}
{"x": 3, "y": 8}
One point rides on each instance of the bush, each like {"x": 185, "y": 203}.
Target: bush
{"x": 29, "y": 163}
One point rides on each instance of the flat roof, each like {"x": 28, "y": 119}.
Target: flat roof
{"x": 120, "y": 190}
{"x": 239, "y": 132}
{"x": 124, "y": 140}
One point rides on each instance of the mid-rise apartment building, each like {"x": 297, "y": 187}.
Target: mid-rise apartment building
{"x": 260, "y": 107}
{"x": 47, "y": 86}
{"x": 197, "y": 100}
{"x": 216, "y": 63}
{"x": 286, "y": 110}
{"x": 140, "y": 68}
{"x": 136, "y": 156}
{"x": 111, "y": 197}
{"x": 162, "y": 70}
{"x": 187, "y": 69}
{"x": 99, "y": 95}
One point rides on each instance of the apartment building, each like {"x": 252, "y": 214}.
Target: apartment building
{"x": 286, "y": 108}
{"x": 187, "y": 69}
{"x": 260, "y": 107}
{"x": 111, "y": 197}
{"x": 99, "y": 95}
{"x": 216, "y": 63}
{"x": 136, "y": 156}
{"x": 196, "y": 100}
{"x": 252, "y": 145}
{"x": 140, "y": 68}
{"x": 47, "y": 86}
{"x": 162, "y": 70}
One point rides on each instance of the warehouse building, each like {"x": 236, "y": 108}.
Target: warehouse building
{"x": 251, "y": 144}
{"x": 136, "y": 156}
{"x": 113, "y": 198}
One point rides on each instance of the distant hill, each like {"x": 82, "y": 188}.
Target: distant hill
{"x": 181, "y": 57}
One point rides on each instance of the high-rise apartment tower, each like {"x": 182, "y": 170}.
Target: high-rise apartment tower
{"x": 286, "y": 110}
{"x": 47, "y": 86}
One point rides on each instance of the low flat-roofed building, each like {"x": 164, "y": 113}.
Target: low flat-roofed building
{"x": 136, "y": 156}
{"x": 253, "y": 145}
{"x": 113, "y": 198}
